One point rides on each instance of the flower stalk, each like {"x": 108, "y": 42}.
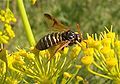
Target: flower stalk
{"x": 98, "y": 74}
{"x": 27, "y": 27}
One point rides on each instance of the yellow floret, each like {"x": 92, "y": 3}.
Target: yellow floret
{"x": 87, "y": 60}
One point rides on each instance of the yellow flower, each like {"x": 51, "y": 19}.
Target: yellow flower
{"x": 112, "y": 53}
{"x": 22, "y": 52}
{"x": 87, "y": 60}
{"x": 45, "y": 53}
{"x": 78, "y": 66}
{"x": 83, "y": 44}
{"x": 13, "y": 19}
{"x": 117, "y": 45}
{"x": 4, "y": 39}
{"x": 105, "y": 51}
{"x": 15, "y": 58}
{"x": 31, "y": 56}
{"x": 11, "y": 80}
{"x": 97, "y": 45}
{"x": 57, "y": 54}
{"x": 2, "y": 18}
{"x": 65, "y": 50}
{"x": 42, "y": 53}
{"x": 1, "y": 33}
{"x": 106, "y": 42}
{"x": 90, "y": 41}
{"x": 79, "y": 78}
{"x": 75, "y": 51}
{"x": 9, "y": 31}
{"x": 89, "y": 51}
{"x": 67, "y": 75}
{"x": 2, "y": 12}
{"x": 110, "y": 35}
{"x": 7, "y": 21}
{"x": 7, "y": 16}
{"x": 111, "y": 62}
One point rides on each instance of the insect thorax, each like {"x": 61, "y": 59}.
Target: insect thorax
{"x": 69, "y": 35}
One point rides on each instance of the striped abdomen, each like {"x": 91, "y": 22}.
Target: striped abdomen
{"x": 49, "y": 41}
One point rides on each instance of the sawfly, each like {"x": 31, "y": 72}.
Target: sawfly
{"x": 59, "y": 39}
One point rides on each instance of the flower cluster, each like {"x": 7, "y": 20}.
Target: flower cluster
{"x": 6, "y": 32}
{"x": 102, "y": 52}
{"x": 53, "y": 67}
{"x": 37, "y": 66}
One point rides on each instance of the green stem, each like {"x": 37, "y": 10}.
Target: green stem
{"x": 7, "y": 3}
{"x": 69, "y": 81}
{"x": 25, "y": 21}
{"x": 98, "y": 74}
{"x": 97, "y": 66}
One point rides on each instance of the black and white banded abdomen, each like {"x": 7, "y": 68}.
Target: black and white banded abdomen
{"x": 49, "y": 41}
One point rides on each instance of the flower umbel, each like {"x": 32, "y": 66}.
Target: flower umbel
{"x": 7, "y": 17}
{"x": 104, "y": 55}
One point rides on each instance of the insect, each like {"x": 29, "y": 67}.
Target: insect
{"x": 60, "y": 39}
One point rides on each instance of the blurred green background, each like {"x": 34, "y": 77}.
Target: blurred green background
{"x": 92, "y": 15}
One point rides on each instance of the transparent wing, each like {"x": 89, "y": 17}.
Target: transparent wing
{"x": 54, "y": 24}
{"x": 57, "y": 48}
